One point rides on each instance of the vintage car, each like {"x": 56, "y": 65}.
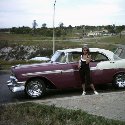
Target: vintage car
{"x": 62, "y": 72}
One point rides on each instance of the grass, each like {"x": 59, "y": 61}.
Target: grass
{"x": 36, "y": 114}
{"x": 60, "y": 43}
{"x": 21, "y": 37}
{"x": 114, "y": 39}
{"x": 27, "y": 39}
{"x": 109, "y": 39}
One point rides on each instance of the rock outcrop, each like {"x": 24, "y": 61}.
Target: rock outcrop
{"x": 21, "y": 52}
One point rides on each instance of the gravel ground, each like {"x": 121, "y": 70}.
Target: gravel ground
{"x": 110, "y": 105}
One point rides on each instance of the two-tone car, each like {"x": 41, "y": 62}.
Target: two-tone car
{"x": 62, "y": 72}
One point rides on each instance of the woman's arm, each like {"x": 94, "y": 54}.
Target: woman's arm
{"x": 88, "y": 59}
{"x": 79, "y": 63}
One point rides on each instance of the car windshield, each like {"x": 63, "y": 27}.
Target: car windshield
{"x": 59, "y": 57}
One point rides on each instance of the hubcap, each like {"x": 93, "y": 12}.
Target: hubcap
{"x": 34, "y": 89}
{"x": 120, "y": 80}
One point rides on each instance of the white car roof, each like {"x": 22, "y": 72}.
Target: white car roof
{"x": 108, "y": 53}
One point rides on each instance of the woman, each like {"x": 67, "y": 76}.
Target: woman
{"x": 84, "y": 70}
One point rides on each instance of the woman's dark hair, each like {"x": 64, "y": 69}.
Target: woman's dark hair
{"x": 86, "y": 49}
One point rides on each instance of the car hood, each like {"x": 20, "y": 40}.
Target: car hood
{"x": 32, "y": 68}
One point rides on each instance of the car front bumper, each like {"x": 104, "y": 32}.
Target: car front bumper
{"x": 14, "y": 85}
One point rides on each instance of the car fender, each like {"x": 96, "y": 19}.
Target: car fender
{"x": 47, "y": 81}
{"x": 106, "y": 65}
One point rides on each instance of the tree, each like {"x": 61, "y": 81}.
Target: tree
{"x": 120, "y": 28}
{"x": 21, "y": 30}
{"x": 70, "y": 27}
{"x": 44, "y": 25}
{"x": 34, "y": 26}
{"x": 61, "y": 25}
{"x": 111, "y": 28}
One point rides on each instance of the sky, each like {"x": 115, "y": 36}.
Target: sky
{"x": 18, "y": 13}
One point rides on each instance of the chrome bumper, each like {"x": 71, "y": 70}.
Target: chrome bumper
{"x": 14, "y": 85}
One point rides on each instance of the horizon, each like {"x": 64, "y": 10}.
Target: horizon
{"x": 63, "y": 26}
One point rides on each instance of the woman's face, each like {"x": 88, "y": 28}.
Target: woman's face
{"x": 85, "y": 50}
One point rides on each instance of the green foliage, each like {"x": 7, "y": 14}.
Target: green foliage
{"x": 62, "y": 30}
{"x": 4, "y": 43}
{"x": 21, "y": 30}
{"x": 36, "y": 114}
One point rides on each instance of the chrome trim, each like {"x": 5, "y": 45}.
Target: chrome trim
{"x": 53, "y": 72}
{"x": 48, "y": 72}
{"x": 93, "y": 68}
{"x": 69, "y": 70}
{"x": 14, "y": 85}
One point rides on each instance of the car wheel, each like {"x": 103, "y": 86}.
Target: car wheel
{"x": 119, "y": 80}
{"x": 35, "y": 88}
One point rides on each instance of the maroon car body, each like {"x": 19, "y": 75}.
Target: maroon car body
{"x": 62, "y": 72}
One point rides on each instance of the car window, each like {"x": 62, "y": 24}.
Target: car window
{"x": 74, "y": 56}
{"x": 59, "y": 57}
{"x": 120, "y": 52}
{"x": 116, "y": 57}
{"x": 97, "y": 57}
{"x": 62, "y": 58}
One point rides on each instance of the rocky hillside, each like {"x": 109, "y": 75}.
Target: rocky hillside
{"x": 22, "y": 52}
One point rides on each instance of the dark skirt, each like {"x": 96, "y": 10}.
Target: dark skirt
{"x": 85, "y": 76}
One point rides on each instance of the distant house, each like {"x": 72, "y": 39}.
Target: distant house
{"x": 98, "y": 33}
{"x": 94, "y": 33}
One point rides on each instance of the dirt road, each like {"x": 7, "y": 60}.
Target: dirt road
{"x": 110, "y": 105}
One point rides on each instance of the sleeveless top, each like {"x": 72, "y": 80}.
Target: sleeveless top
{"x": 84, "y": 65}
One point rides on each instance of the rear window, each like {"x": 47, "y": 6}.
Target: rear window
{"x": 116, "y": 57}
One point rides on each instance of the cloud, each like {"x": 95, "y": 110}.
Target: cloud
{"x": 25, "y": 11}
{"x": 97, "y": 13}
{"x": 70, "y": 12}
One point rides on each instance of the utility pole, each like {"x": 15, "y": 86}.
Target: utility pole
{"x": 54, "y": 27}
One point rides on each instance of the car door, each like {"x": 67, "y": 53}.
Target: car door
{"x": 65, "y": 79}
{"x": 70, "y": 72}
{"x": 68, "y": 79}
{"x": 104, "y": 69}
